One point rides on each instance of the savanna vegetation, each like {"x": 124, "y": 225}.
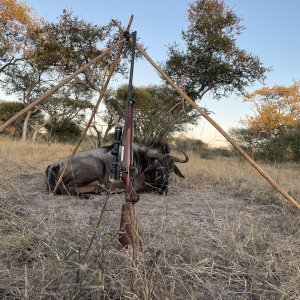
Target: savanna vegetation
{"x": 273, "y": 133}
{"x": 220, "y": 233}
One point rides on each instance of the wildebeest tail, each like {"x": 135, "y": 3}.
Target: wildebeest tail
{"x": 52, "y": 176}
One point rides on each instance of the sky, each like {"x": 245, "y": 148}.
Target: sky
{"x": 271, "y": 33}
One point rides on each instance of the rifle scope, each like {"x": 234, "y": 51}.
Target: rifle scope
{"x": 116, "y": 153}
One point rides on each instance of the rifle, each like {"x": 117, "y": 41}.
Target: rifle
{"x": 125, "y": 170}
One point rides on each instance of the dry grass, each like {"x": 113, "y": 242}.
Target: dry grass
{"x": 222, "y": 233}
{"x": 241, "y": 178}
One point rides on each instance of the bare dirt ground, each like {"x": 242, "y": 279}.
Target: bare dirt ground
{"x": 201, "y": 241}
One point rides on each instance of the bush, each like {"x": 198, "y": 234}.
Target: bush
{"x": 63, "y": 131}
{"x": 283, "y": 148}
{"x": 7, "y": 110}
{"x": 203, "y": 149}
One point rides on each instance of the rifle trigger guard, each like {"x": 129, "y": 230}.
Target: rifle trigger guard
{"x": 123, "y": 170}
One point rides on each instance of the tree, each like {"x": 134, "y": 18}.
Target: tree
{"x": 16, "y": 76}
{"x": 59, "y": 111}
{"x": 9, "y": 109}
{"x": 157, "y": 111}
{"x": 285, "y": 147}
{"x": 273, "y": 132}
{"x": 67, "y": 44}
{"x": 277, "y": 109}
{"x": 71, "y": 42}
{"x": 15, "y": 18}
{"x": 15, "y": 11}
{"x": 212, "y": 61}
{"x": 26, "y": 82}
{"x": 54, "y": 51}
{"x": 248, "y": 139}
{"x": 63, "y": 131}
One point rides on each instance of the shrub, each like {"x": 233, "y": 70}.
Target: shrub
{"x": 63, "y": 131}
{"x": 285, "y": 147}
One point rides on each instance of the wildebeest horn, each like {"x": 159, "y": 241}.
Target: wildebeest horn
{"x": 176, "y": 159}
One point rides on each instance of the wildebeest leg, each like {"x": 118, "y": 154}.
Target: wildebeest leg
{"x": 92, "y": 187}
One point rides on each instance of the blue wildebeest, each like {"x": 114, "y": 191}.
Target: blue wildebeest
{"x": 90, "y": 170}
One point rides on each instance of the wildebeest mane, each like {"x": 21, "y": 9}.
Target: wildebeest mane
{"x": 163, "y": 147}
{"x": 160, "y": 146}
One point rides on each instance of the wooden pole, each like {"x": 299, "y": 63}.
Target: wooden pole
{"x": 219, "y": 128}
{"x": 59, "y": 85}
{"x": 102, "y": 92}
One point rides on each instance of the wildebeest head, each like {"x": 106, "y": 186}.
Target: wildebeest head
{"x": 160, "y": 165}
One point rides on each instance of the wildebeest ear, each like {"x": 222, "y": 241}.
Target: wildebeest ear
{"x": 178, "y": 172}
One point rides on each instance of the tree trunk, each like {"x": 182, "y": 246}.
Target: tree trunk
{"x": 35, "y": 134}
{"x": 99, "y": 138}
{"x": 110, "y": 125}
{"x": 25, "y": 125}
{"x": 38, "y": 127}
{"x": 49, "y": 135}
